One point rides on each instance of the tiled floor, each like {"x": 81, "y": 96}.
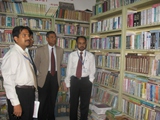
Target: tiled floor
{"x": 62, "y": 118}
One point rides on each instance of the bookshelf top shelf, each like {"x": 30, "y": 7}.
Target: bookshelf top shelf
{"x": 26, "y": 15}
{"x": 72, "y": 21}
{"x": 142, "y": 4}
{"x": 4, "y": 27}
{"x": 94, "y": 50}
{"x": 141, "y": 50}
{"x": 154, "y": 26}
{"x": 107, "y": 14}
{"x": 109, "y": 32}
{"x": 6, "y": 44}
{"x": 129, "y": 95}
{"x": 104, "y": 50}
{"x": 8, "y": 13}
{"x": 141, "y": 74}
{"x": 34, "y": 16}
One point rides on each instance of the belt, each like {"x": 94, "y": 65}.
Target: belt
{"x": 81, "y": 77}
{"x": 25, "y": 86}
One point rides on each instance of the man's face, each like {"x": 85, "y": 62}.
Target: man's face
{"x": 24, "y": 39}
{"x": 51, "y": 39}
{"x": 31, "y": 41}
{"x": 81, "y": 44}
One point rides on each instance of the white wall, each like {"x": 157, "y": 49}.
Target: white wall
{"x": 78, "y": 4}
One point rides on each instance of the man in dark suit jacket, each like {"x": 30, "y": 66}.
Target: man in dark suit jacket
{"x": 48, "y": 60}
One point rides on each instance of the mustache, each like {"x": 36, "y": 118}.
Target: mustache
{"x": 27, "y": 40}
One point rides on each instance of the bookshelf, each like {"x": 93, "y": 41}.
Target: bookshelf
{"x": 137, "y": 54}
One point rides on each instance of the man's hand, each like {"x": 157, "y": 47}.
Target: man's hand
{"x": 64, "y": 87}
{"x": 17, "y": 110}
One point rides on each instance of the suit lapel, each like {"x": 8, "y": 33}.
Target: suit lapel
{"x": 46, "y": 55}
{"x": 57, "y": 56}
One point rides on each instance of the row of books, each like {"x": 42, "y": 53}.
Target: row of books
{"x": 8, "y": 21}
{"x": 106, "y": 5}
{"x": 106, "y": 96}
{"x": 99, "y": 61}
{"x": 110, "y": 60}
{"x": 143, "y": 40}
{"x": 63, "y": 73}
{"x": 6, "y": 37}
{"x": 3, "y": 107}
{"x": 73, "y": 14}
{"x": 1, "y": 84}
{"x": 145, "y": 17}
{"x": 35, "y": 23}
{"x": 62, "y": 110}
{"x": 3, "y": 51}
{"x": 114, "y": 114}
{"x": 140, "y": 110}
{"x": 141, "y": 63}
{"x": 127, "y": 2}
{"x": 72, "y": 29}
{"x": 146, "y": 88}
{"x": 65, "y": 57}
{"x": 107, "y": 24}
{"x": 67, "y": 43}
{"x": 23, "y": 8}
{"x": 62, "y": 97}
{"x": 99, "y": 108}
{"x": 107, "y": 78}
{"x": 111, "y": 42}
{"x": 95, "y": 116}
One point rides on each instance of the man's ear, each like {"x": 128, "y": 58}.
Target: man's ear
{"x": 15, "y": 39}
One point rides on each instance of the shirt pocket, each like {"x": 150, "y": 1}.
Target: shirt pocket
{"x": 74, "y": 63}
{"x": 86, "y": 64}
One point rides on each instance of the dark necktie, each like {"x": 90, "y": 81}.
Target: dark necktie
{"x": 52, "y": 63}
{"x": 34, "y": 66}
{"x": 79, "y": 66}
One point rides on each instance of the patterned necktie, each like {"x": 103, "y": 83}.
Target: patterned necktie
{"x": 79, "y": 66}
{"x": 32, "y": 69}
{"x": 52, "y": 63}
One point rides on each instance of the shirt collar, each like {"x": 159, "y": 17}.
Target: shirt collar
{"x": 50, "y": 47}
{"x": 20, "y": 49}
{"x": 82, "y": 51}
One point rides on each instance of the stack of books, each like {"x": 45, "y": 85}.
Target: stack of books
{"x": 100, "y": 108}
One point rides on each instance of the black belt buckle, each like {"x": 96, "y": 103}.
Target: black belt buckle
{"x": 79, "y": 78}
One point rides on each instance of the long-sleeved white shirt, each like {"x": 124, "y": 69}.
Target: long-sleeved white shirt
{"x": 88, "y": 68}
{"x": 15, "y": 71}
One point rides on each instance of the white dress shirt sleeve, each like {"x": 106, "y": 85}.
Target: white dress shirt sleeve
{"x": 92, "y": 68}
{"x": 68, "y": 71}
{"x": 9, "y": 69}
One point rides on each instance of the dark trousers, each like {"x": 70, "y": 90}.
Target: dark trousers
{"x": 26, "y": 97}
{"x": 80, "y": 89}
{"x": 47, "y": 98}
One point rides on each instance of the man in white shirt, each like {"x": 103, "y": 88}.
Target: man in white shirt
{"x": 79, "y": 78}
{"x": 19, "y": 78}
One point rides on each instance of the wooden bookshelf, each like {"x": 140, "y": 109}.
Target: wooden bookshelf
{"x": 124, "y": 11}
